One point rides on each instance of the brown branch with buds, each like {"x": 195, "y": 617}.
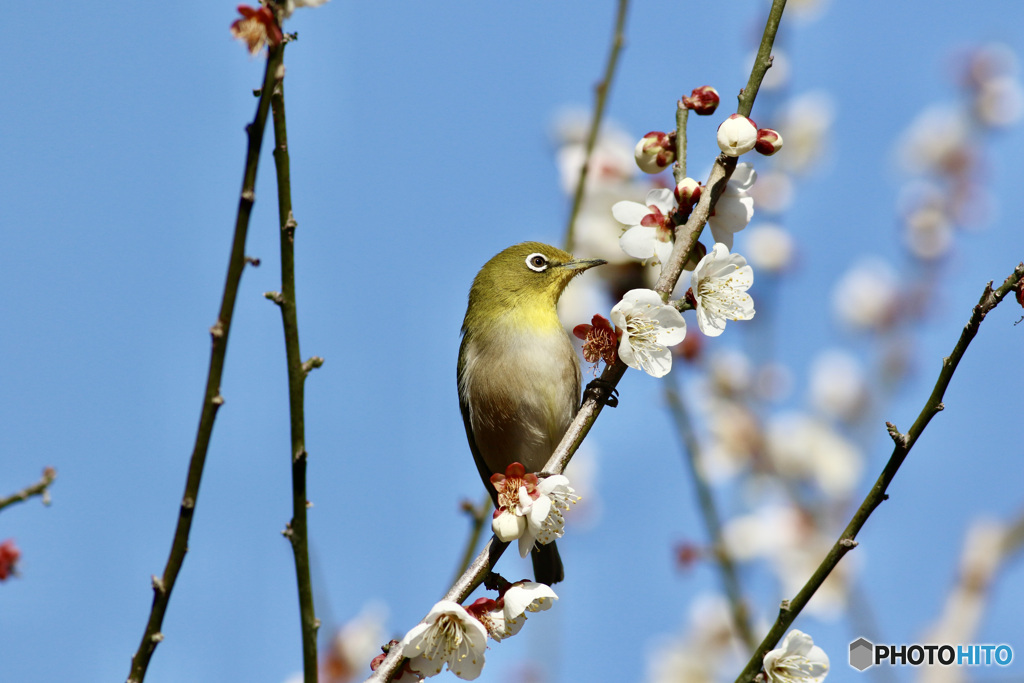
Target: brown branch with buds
{"x": 40, "y": 488}
{"x": 789, "y": 610}
{"x": 212, "y": 400}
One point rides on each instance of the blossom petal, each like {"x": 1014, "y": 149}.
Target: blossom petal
{"x": 661, "y": 198}
{"x": 643, "y": 297}
{"x": 507, "y": 526}
{"x": 673, "y": 326}
{"x": 527, "y": 596}
{"x": 743, "y": 176}
{"x": 639, "y": 242}
{"x": 660, "y": 362}
{"x": 720, "y": 234}
{"x": 663, "y": 250}
{"x": 629, "y": 213}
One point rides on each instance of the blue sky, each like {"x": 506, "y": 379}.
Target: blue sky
{"x": 420, "y": 146}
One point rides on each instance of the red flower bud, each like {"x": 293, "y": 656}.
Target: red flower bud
{"x": 768, "y": 141}
{"x": 703, "y": 100}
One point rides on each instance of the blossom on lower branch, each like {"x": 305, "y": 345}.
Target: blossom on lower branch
{"x": 450, "y": 635}
{"x": 530, "y": 508}
{"x": 799, "y": 660}
{"x": 457, "y": 636}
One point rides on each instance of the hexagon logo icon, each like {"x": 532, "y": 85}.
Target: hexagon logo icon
{"x": 862, "y": 654}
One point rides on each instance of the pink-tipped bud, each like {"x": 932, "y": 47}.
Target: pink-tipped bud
{"x": 655, "y": 152}
{"x": 703, "y": 100}
{"x": 768, "y": 141}
{"x": 737, "y": 135}
{"x": 687, "y": 192}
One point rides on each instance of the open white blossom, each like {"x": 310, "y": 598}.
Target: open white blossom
{"x": 527, "y": 596}
{"x": 448, "y": 635}
{"x": 544, "y": 520}
{"x": 649, "y": 327}
{"x": 530, "y": 508}
{"x": 735, "y": 206}
{"x": 799, "y": 660}
{"x": 720, "y": 283}
{"x": 650, "y": 230}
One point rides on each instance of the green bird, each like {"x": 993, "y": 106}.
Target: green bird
{"x": 519, "y": 374}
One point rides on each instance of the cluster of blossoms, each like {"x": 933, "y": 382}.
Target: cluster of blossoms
{"x": 258, "y": 28}
{"x": 530, "y": 508}
{"x": 456, "y": 636}
{"x": 645, "y": 326}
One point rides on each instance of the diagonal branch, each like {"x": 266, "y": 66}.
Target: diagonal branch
{"x": 902, "y": 444}
{"x": 212, "y": 400}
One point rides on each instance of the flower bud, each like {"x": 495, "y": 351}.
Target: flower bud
{"x": 687, "y": 192}
{"x": 768, "y": 141}
{"x": 655, "y": 152}
{"x": 703, "y": 100}
{"x": 737, "y": 135}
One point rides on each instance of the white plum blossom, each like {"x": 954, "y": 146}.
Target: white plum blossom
{"x": 527, "y": 596}
{"x": 648, "y": 327}
{"x": 450, "y": 635}
{"x": 737, "y": 135}
{"x": 735, "y": 206}
{"x": 493, "y": 616}
{"x": 720, "y": 283}
{"x": 650, "y": 230}
{"x": 530, "y": 508}
{"x": 799, "y": 660}
{"x": 545, "y": 522}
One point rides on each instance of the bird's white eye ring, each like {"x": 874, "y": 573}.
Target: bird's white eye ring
{"x": 537, "y": 262}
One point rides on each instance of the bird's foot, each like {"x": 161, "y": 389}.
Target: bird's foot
{"x": 602, "y": 391}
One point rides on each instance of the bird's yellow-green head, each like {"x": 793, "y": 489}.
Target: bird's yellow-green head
{"x": 521, "y": 286}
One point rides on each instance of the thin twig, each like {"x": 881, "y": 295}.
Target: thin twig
{"x": 709, "y": 512}
{"x": 902, "y": 444}
{"x": 40, "y": 488}
{"x": 763, "y": 61}
{"x": 618, "y": 38}
{"x": 686, "y": 236}
{"x": 682, "y": 115}
{"x": 297, "y": 529}
{"x": 212, "y": 400}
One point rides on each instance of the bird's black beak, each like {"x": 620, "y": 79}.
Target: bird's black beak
{"x": 579, "y": 265}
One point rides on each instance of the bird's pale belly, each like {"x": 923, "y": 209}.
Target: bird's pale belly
{"x": 524, "y": 400}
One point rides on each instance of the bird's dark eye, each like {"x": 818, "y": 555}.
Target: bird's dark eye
{"x": 537, "y": 262}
